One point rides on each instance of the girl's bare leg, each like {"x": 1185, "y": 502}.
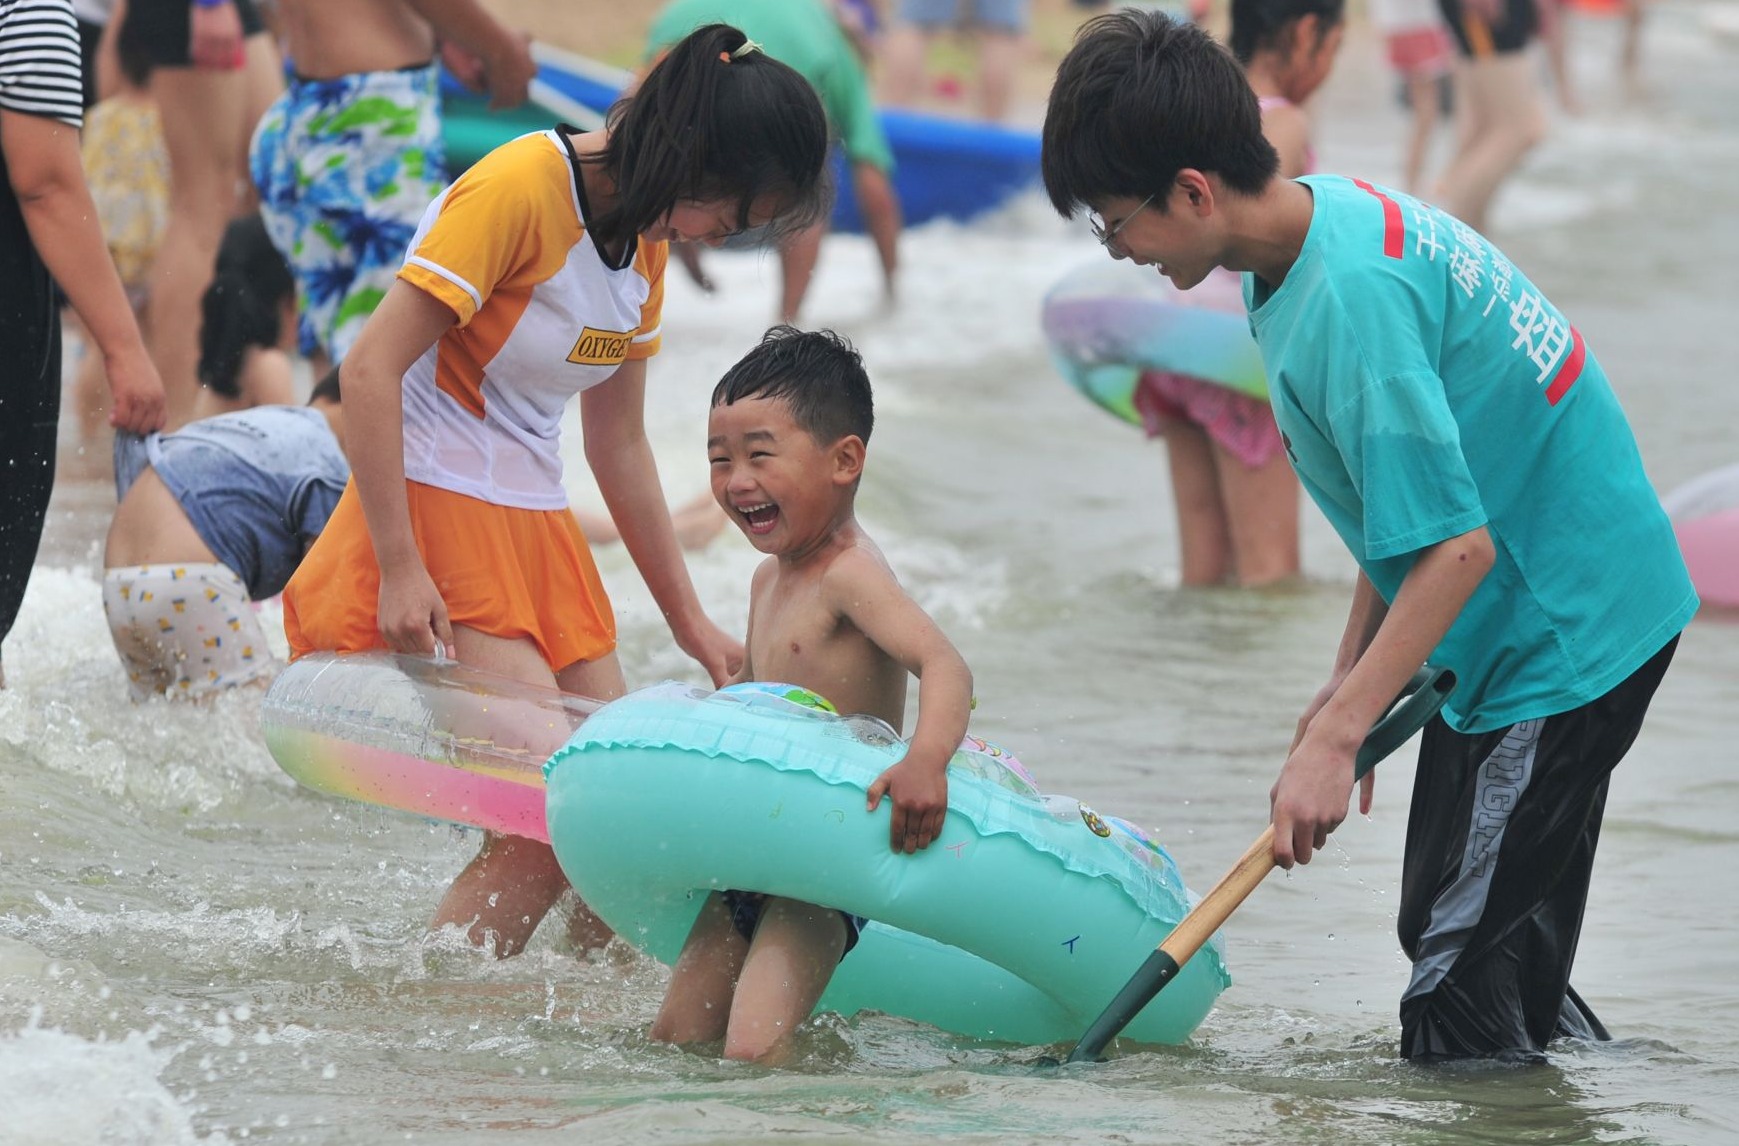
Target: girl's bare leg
{"x": 1262, "y": 516}
{"x": 506, "y": 890}
{"x": 1203, "y": 535}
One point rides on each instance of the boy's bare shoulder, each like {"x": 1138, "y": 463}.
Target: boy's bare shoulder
{"x": 857, "y": 567}
{"x": 764, "y": 572}
{"x": 862, "y": 557}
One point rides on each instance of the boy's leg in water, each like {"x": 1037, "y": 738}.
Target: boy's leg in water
{"x": 795, "y": 951}
{"x": 1500, "y": 849}
{"x": 697, "y": 1004}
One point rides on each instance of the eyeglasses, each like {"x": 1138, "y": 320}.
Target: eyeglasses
{"x": 1106, "y": 238}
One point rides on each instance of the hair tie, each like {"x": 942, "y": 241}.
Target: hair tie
{"x": 747, "y": 46}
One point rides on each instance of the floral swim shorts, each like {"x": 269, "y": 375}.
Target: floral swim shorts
{"x": 345, "y": 168}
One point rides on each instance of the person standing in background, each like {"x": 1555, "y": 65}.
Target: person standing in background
{"x": 1420, "y": 50}
{"x": 351, "y": 154}
{"x": 807, "y": 35}
{"x": 998, "y": 29}
{"x": 48, "y": 236}
{"x": 214, "y": 69}
{"x": 1499, "y": 114}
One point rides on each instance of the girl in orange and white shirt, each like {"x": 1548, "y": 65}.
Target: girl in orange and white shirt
{"x": 536, "y": 275}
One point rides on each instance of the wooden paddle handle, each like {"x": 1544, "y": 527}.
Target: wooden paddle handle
{"x": 1216, "y": 907}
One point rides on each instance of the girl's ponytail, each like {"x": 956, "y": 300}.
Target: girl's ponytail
{"x": 716, "y": 119}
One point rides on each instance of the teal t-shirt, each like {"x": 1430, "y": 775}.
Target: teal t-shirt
{"x": 806, "y": 35}
{"x": 1425, "y": 387}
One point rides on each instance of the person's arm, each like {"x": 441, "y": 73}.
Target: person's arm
{"x": 880, "y": 207}
{"x": 505, "y": 55}
{"x": 1367, "y": 613}
{"x": 1310, "y": 799}
{"x": 411, "y": 615}
{"x": 47, "y": 176}
{"x": 866, "y": 594}
{"x": 214, "y": 30}
{"x": 756, "y": 583}
{"x": 613, "y": 418}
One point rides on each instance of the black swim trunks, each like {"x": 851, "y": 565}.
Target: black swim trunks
{"x": 745, "y": 908}
{"x": 1500, "y": 848}
{"x": 162, "y": 30}
{"x": 1517, "y": 24}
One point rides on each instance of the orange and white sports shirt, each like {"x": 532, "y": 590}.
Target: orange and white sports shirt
{"x": 542, "y": 316}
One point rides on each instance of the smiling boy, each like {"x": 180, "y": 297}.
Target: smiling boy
{"x": 786, "y": 441}
{"x": 1464, "y": 442}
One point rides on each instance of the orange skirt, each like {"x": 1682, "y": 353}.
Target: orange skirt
{"x": 503, "y": 571}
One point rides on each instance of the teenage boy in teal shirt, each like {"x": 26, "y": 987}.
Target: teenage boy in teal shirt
{"x": 1462, "y": 439}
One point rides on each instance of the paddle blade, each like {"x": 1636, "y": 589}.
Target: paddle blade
{"x": 1159, "y": 969}
{"x": 1419, "y": 701}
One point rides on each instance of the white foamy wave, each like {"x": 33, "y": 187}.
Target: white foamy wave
{"x": 66, "y": 707}
{"x": 57, "y": 1088}
{"x": 201, "y": 935}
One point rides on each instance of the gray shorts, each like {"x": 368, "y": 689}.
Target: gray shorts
{"x": 1000, "y": 15}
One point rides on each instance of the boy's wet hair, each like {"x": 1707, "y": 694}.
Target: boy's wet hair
{"x": 1140, "y": 97}
{"x": 328, "y": 389}
{"x": 817, "y": 372}
{"x": 709, "y": 125}
{"x": 241, "y": 306}
{"x": 1258, "y": 25}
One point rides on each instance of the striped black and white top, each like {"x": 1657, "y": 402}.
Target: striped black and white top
{"x": 40, "y": 67}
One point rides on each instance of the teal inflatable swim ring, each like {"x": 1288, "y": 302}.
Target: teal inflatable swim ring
{"x": 1016, "y": 924}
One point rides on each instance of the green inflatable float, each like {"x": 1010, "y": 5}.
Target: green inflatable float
{"x": 1017, "y": 924}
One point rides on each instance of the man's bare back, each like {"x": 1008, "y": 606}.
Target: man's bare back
{"x": 326, "y": 39}
{"x": 330, "y": 38}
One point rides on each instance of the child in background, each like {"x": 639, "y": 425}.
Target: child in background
{"x": 1462, "y": 439}
{"x": 998, "y": 29}
{"x": 213, "y": 517}
{"x": 1422, "y": 54}
{"x": 536, "y": 276}
{"x": 249, "y": 312}
{"x": 1500, "y": 115}
{"x": 1237, "y": 501}
{"x": 807, "y": 35}
{"x": 786, "y": 439}
{"x": 127, "y": 168}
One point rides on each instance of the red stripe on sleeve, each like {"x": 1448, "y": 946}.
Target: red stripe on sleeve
{"x": 1393, "y": 230}
{"x": 1570, "y": 371}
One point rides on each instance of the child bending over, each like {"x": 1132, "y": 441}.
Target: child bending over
{"x": 786, "y": 439}
{"x": 212, "y": 518}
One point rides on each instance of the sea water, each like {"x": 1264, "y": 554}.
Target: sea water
{"x": 194, "y": 950}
